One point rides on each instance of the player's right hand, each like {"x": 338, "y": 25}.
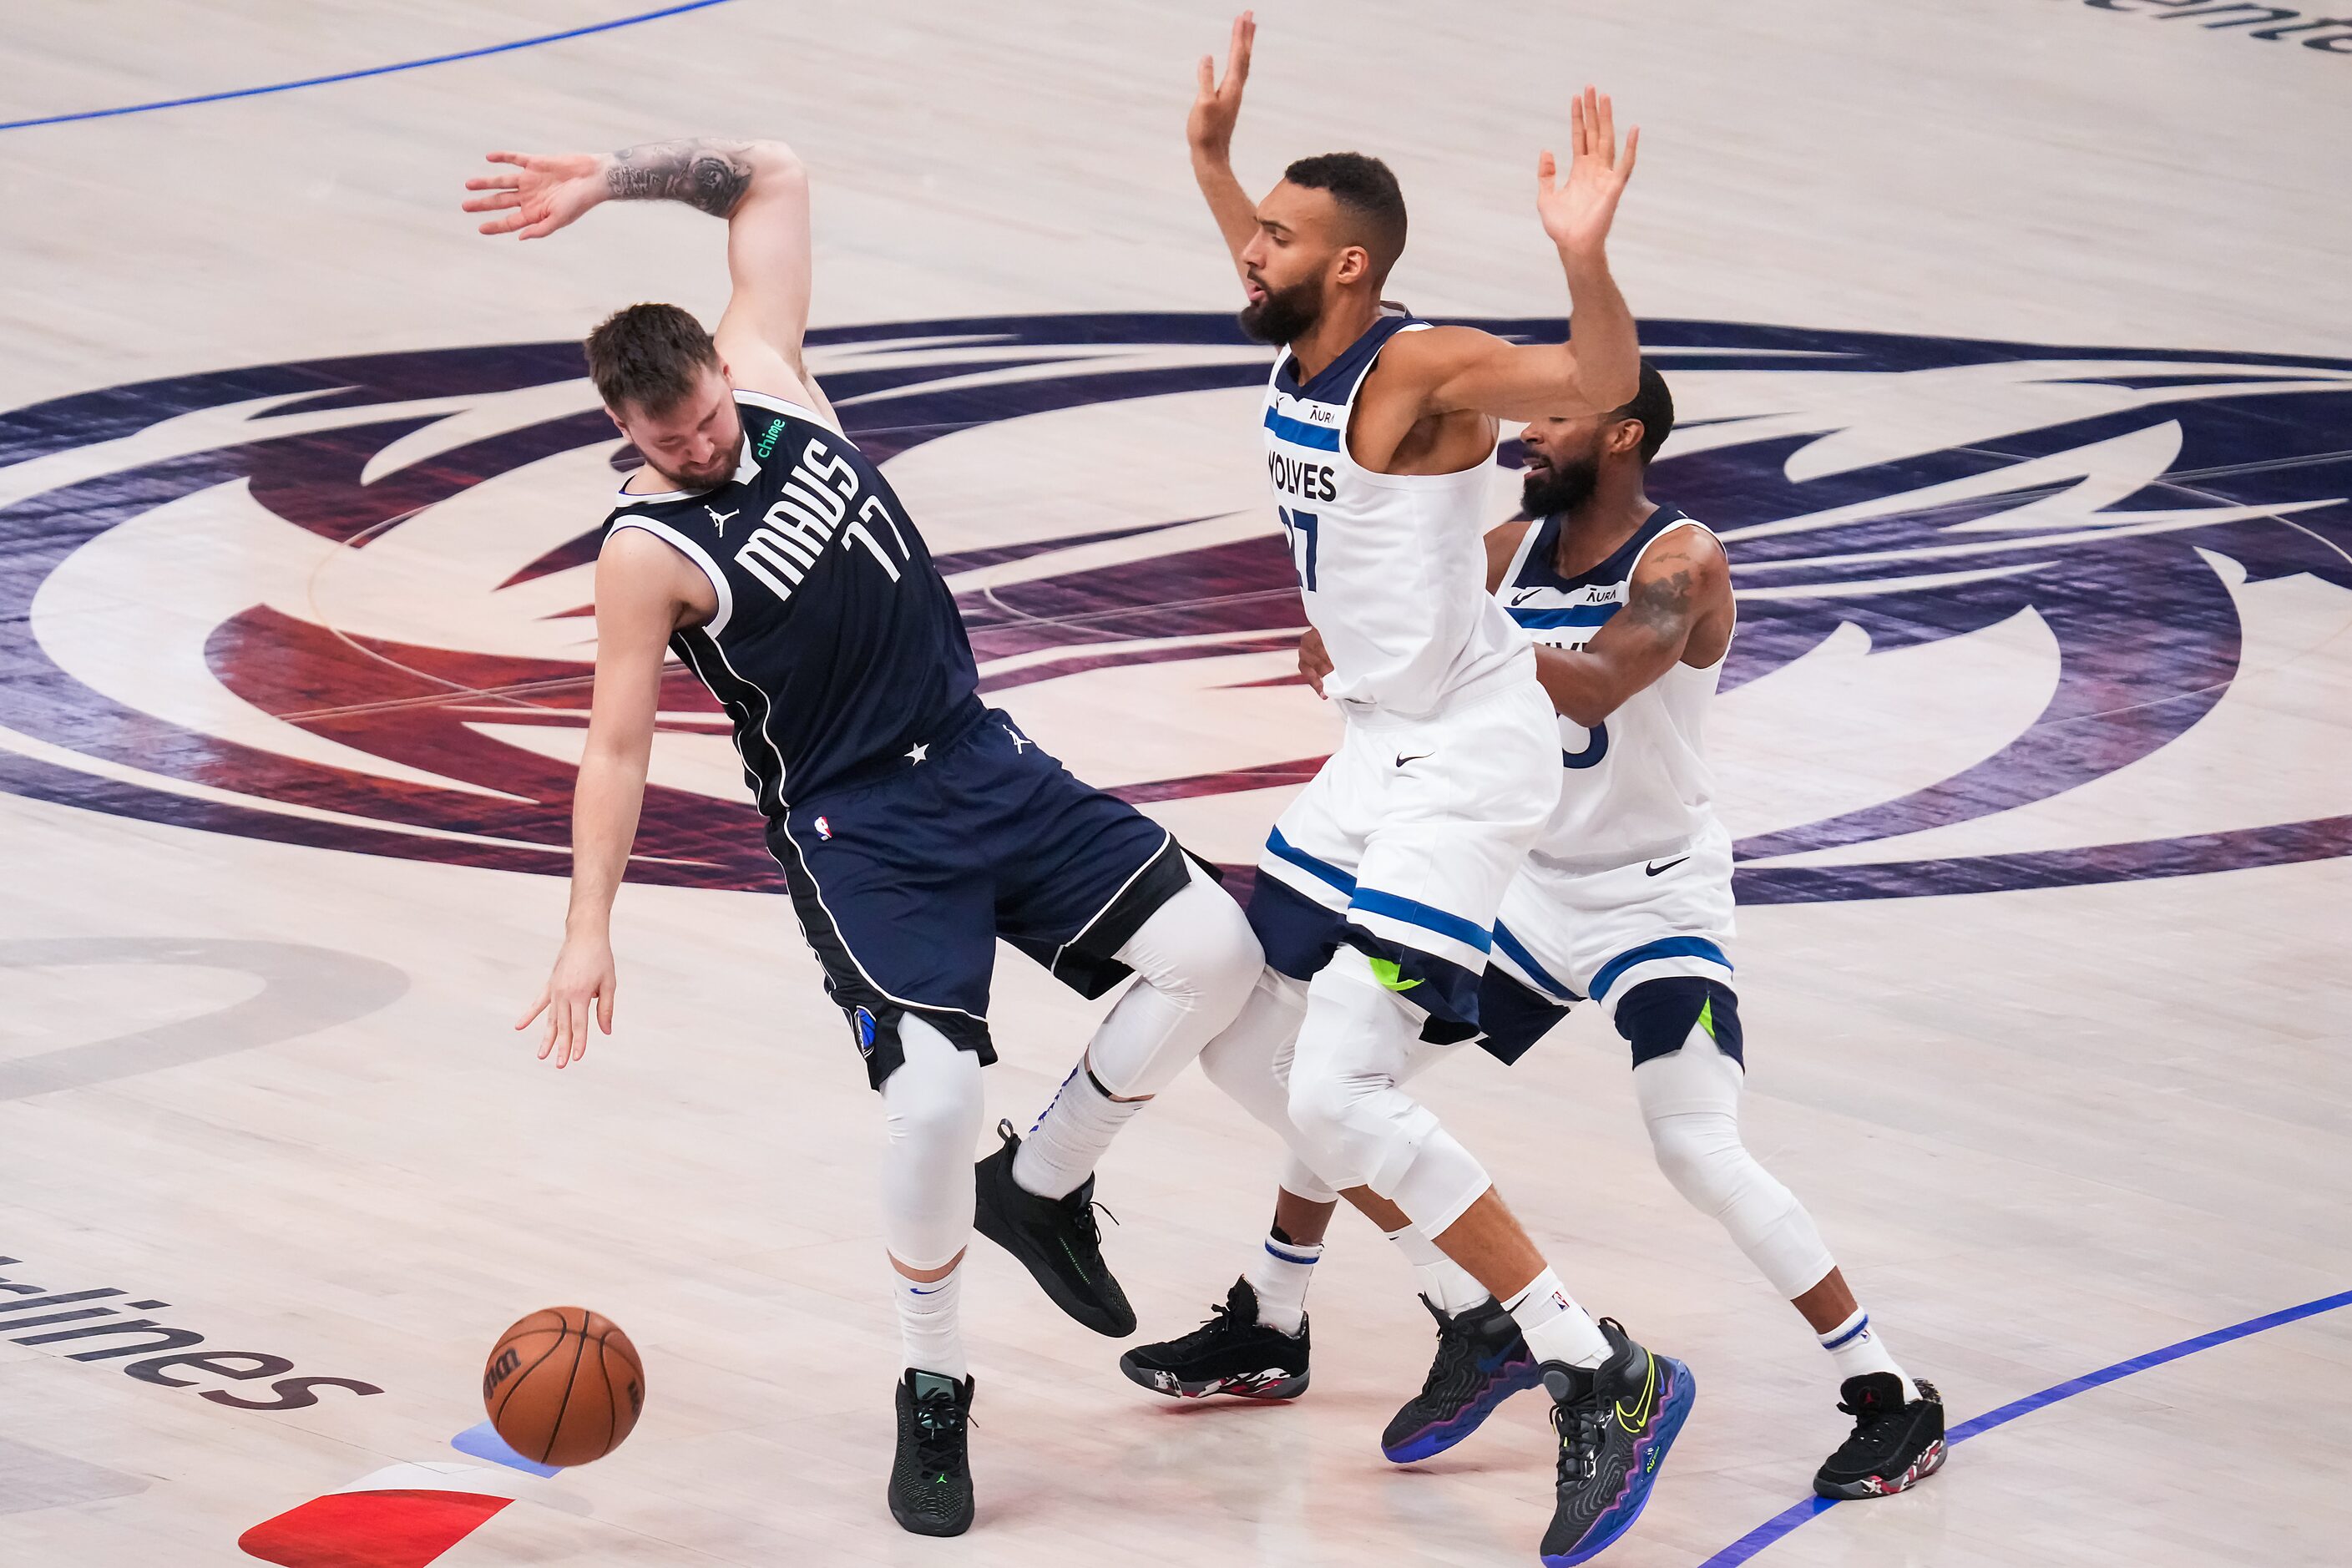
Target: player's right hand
{"x": 1314, "y": 662}
{"x": 540, "y": 195}
{"x": 1218, "y": 104}
{"x": 581, "y": 981}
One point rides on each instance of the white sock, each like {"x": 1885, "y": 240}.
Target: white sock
{"x": 1062, "y": 1150}
{"x": 1856, "y": 1348}
{"x": 928, "y": 1323}
{"x": 1557, "y": 1329}
{"x": 1279, "y": 1274}
{"x": 1447, "y": 1285}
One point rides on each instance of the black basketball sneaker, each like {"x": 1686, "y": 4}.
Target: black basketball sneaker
{"x": 1615, "y": 1422}
{"x": 930, "y": 1480}
{"x": 1481, "y": 1362}
{"x": 1896, "y": 1443}
{"x": 1056, "y": 1240}
{"x": 1232, "y": 1353}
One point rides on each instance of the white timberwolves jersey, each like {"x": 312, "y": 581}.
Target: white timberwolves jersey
{"x": 1392, "y": 566}
{"x": 1639, "y": 785}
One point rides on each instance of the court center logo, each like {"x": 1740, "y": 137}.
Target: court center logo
{"x": 2010, "y": 614}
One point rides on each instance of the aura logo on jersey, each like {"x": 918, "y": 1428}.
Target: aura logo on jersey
{"x": 2010, "y": 614}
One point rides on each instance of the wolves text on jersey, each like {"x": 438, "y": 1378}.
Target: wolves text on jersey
{"x": 1307, "y": 481}
{"x": 820, "y": 492}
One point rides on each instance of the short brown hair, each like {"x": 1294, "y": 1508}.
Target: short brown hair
{"x": 648, "y": 355}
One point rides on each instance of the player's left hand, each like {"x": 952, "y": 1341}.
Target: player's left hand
{"x": 1577, "y": 211}
{"x": 540, "y": 194}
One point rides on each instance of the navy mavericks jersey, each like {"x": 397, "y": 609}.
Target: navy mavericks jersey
{"x": 837, "y": 649}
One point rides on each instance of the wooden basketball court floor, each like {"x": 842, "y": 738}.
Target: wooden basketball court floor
{"x": 2010, "y": 344}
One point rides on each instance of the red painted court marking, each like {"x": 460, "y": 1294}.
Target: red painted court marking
{"x": 370, "y": 1530}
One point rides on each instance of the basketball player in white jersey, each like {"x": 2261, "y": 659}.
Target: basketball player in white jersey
{"x": 913, "y": 824}
{"x": 1626, "y": 901}
{"x": 1377, "y": 894}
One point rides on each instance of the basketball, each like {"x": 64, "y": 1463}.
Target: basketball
{"x": 563, "y": 1386}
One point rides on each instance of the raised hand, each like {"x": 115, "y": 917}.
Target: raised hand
{"x": 1218, "y": 104}
{"x": 1577, "y": 211}
{"x": 540, "y": 194}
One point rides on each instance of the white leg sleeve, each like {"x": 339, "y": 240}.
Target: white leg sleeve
{"x": 1250, "y": 1060}
{"x": 1194, "y": 960}
{"x": 1298, "y": 1177}
{"x": 1356, "y": 1042}
{"x": 932, "y": 1107}
{"x": 1690, "y": 1099}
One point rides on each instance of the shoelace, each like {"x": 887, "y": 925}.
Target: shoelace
{"x": 1084, "y": 1220}
{"x": 1456, "y": 1351}
{"x": 1580, "y": 1448}
{"x": 1222, "y": 1317}
{"x": 940, "y": 1426}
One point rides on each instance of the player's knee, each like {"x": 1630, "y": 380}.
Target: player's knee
{"x": 1703, "y": 1157}
{"x": 1323, "y": 1105}
{"x": 1198, "y": 950}
{"x": 1226, "y": 957}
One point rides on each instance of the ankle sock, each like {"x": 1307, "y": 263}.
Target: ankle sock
{"x": 1557, "y": 1329}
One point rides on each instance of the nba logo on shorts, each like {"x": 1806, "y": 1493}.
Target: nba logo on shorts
{"x": 823, "y": 828}
{"x": 862, "y": 1021}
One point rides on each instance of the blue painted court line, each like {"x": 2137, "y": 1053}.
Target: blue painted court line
{"x": 1813, "y": 1508}
{"x": 483, "y": 1442}
{"x": 372, "y": 70}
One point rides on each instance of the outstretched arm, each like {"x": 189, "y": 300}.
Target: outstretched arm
{"x": 1682, "y": 582}
{"x": 760, "y": 189}
{"x": 638, "y": 598}
{"x": 1210, "y": 130}
{"x": 1598, "y": 367}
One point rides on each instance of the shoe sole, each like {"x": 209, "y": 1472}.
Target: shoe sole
{"x": 1431, "y": 1441}
{"x": 1177, "y": 1388}
{"x": 1670, "y": 1427}
{"x": 916, "y": 1526}
{"x": 1084, "y": 1312}
{"x": 1930, "y": 1461}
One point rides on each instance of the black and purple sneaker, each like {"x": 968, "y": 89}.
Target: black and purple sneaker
{"x": 1615, "y": 1422}
{"x": 1481, "y": 1362}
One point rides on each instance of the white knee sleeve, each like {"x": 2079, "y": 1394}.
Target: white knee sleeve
{"x": 932, "y": 1107}
{"x": 1299, "y": 1179}
{"x": 1356, "y": 1043}
{"x": 1194, "y": 960}
{"x": 1250, "y": 1060}
{"x": 1690, "y": 1099}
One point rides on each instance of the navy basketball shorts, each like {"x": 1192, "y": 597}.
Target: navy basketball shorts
{"x": 904, "y": 882}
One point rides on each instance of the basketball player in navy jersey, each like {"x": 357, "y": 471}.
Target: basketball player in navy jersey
{"x": 1377, "y": 894}
{"x": 1625, "y": 901}
{"x": 914, "y": 825}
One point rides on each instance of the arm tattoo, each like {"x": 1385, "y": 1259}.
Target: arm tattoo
{"x": 709, "y": 177}
{"x": 1663, "y": 605}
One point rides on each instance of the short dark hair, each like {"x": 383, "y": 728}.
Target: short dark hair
{"x": 648, "y": 355}
{"x": 1654, "y": 405}
{"x": 1367, "y": 193}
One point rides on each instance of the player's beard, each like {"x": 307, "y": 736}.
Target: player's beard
{"x": 1557, "y": 488}
{"x": 721, "y": 470}
{"x": 1284, "y": 317}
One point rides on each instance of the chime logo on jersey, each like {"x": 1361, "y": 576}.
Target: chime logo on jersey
{"x": 2011, "y": 616}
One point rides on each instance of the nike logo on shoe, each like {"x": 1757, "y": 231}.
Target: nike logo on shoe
{"x": 1656, "y": 870}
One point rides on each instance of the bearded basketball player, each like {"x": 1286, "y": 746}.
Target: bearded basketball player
{"x": 1626, "y": 899}
{"x": 914, "y": 825}
{"x": 1377, "y": 894}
